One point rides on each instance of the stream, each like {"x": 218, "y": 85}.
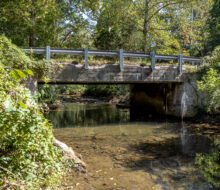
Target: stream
{"x": 122, "y": 154}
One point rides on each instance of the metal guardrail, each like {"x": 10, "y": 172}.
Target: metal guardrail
{"x": 121, "y": 54}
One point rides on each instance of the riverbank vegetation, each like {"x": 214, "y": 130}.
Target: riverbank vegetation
{"x": 209, "y": 164}
{"x": 54, "y": 94}
{"x": 210, "y": 82}
{"x": 28, "y": 158}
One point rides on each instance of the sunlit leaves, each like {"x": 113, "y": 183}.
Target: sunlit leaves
{"x": 214, "y": 24}
{"x": 20, "y": 23}
{"x": 26, "y": 144}
{"x": 210, "y": 166}
{"x": 210, "y": 84}
{"x": 172, "y": 25}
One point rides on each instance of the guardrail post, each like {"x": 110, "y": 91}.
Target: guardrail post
{"x": 153, "y": 59}
{"x": 121, "y": 59}
{"x": 86, "y": 51}
{"x": 180, "y": 60}
{"x": 48, "y": 53}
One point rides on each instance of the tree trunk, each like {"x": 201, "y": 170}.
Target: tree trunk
{"x": 33, "y": 18}
{"x": 65, "y": 38}
{"x": 145, "y": 28}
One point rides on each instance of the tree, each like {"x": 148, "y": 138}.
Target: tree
{"x": 214, "y": 25}
{"x": 162, "y": 22}
{"x": 140, "y": 25}
{"x": 164, "y": 26}
{"x": 29, "y": 23}
{"x": 43, "y": 22}
{"x": 115, "y": 28}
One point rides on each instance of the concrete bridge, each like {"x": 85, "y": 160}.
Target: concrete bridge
{"x": 164, "y": 91}
{"x": 111, "y": 74}
{"x": 169, "y": 90}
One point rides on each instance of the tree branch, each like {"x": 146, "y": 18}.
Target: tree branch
{"x": 6, "y": 170}
{"x": 160, "y": 28}
{"x": 164, "y": 6}
{"x": 65, "y": 39}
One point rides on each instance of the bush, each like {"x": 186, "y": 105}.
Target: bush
{"x": 106, "y": 90}
{"x": 209, "y": 164}
{"x": 48, "y": 94}
{"x": 28, "y": 158}
{"x": 210, "y": 81}
{"x": 13, "y": 57}
{"x": 214, "y": 58}
{"x": 72, "y": 89}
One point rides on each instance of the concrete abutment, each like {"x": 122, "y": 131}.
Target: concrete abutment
{"x": 171, "y": 99}
{"x": 156, "y": 98}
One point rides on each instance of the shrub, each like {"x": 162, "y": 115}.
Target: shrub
{"x": 209, "y": 164}
{"x": 13, "y": 57}
{"x": 106, "y": 90}
{"x": 28, "y": 158}
{"x": 210, "y": 81}
{"x": 48, "y": 94}
{"x": 214, "y": 58}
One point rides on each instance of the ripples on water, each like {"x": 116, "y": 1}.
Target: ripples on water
{"x": 121, "y": 154}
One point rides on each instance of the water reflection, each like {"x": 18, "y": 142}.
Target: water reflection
{"x": 193, "y": 143}
{"x": 79, "y": 114}
{"x": 129, "y": 155}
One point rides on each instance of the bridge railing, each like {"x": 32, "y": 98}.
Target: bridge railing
{"x": 121, "y": 54}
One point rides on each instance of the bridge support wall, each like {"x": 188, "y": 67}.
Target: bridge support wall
{"x": 31, "y": 84}
{"x": 158, "y": 98}
{"x": 173, "y": 99}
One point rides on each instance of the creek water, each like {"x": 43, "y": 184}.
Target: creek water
{"x": 122, "y": 154}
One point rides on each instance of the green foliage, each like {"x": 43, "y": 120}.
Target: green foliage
{"x": 28, "y": 158}
{"x": 209, "y": 164}
{"x": 164, "y": 26}
{"x": 214, "y": 58}
{"x": 214, "y": 24}
{"x": 106, "y": 90}
{"x": 48, "y": 94}
{"x": 37, "y": 23}
{"x": 210, "y": 83}
{"x": 13, "y": 57}
{"x": 115, "y": 27}
{"x": 29, "y": 22}
{"x": 167, "y": 27}
{"x": 73, "y": 89}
